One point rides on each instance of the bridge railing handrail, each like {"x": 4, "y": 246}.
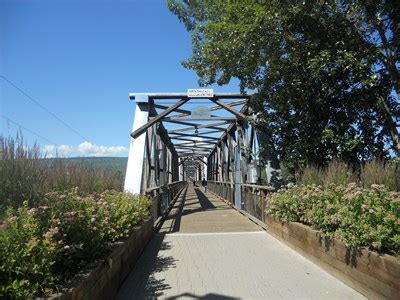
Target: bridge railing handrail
{"x": 254, "y": 198}
{"x": 163, "y": 196}
{"x": 261, "y": 187}
{"x": 162, "y": 186}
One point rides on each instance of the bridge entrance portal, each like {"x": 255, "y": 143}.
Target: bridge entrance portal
{"x": 195, "y": 135}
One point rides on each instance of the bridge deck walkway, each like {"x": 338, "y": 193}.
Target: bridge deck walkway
{"x": 207, "y": 250}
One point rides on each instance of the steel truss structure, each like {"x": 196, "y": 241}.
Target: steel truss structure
{"x": 178, "y": 137}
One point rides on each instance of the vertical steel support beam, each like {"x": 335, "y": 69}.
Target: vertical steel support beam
{"x": 175, "y": 168}
{"x": 181, "y": 173}
{"x": 205, "y": 168}
{"x": 237, "y": 168}
{"x": 134, "y": 169}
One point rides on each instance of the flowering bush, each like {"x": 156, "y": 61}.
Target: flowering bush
{"x": 40, "y": 247}
{"x": 367, "y": 217}
{"x": 28, "y": 253}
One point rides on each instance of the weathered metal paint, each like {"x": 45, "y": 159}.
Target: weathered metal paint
{"x": 133, "y": 177}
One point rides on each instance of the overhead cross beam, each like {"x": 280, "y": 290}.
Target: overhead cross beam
{"x": 201, "y": 160}
{"x": 230, "y": 109}
{"x": 183, "y": 160}
{"x": 142, "y": 129}
{"x": 199, "y": 135}
{"x": 217, "y": 107}
{"x": 193, "y": 155}
{"x": 215, "y": 118}
{"x": 191, "y": 147}
{"x": 165, "y": 96}
{"x": 213, "y": 125}
{"x": 195, "y": 143}
{"x": 190, "y": 140}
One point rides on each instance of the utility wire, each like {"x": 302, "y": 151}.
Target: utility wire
{"x": 27, "y": 129}
{"x": 42, "y": 107}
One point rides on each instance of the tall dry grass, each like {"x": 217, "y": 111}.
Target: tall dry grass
{"x": 339, "y": 173}
{"x": 381, "y": 172}
{"x": 26, "y": 174}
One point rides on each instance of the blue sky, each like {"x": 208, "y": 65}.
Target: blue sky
{"x": 80, "y": 60}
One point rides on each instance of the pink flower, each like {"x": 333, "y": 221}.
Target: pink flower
{"x": 66, "y": 247}
{"x": 12, "y": 219}
{"x": 375, "y": 186}
{"x": 32, "y": 211}
{"x": 51, "y": 232}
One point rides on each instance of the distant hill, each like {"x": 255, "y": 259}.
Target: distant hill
{"x": 114, "y": 164}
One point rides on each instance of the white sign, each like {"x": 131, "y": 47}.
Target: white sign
{"x": 200, "y": 93}
{"x": 200, "y": 112}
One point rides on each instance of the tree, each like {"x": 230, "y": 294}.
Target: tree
{"x": 325, "y": 72}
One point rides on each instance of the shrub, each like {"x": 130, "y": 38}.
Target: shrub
{"x": 367, "y": 217}
{"x": 61, "y": 236}
{"x": 28, "y": 253}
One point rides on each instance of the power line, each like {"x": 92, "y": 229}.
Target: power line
{"x": 42, "y": 107}
{"x": 27, "y": 129}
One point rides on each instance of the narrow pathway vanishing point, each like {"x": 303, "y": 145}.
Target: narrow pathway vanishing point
{"x": 207, "y": 250}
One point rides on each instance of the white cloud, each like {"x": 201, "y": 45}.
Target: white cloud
{"x": 83, "y": 149}
{"x": 61, "y": 150}
{"x": 87, "y": 148}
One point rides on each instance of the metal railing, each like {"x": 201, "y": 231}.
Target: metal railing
{"x": 254, "y": 197}
{"x": 163, "y": 196}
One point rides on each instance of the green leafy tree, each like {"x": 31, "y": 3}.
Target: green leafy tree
{"x": 325, "y": 72}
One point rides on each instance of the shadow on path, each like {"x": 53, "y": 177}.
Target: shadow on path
{"x": 210, "y": 296}
{"x": 190, "y": 202}
{"x": 205, "y": 203}
{"x": 142, "y": 282}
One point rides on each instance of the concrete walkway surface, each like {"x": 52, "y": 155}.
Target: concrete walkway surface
{"x": 196, "y": 256}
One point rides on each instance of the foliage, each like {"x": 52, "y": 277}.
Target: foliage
{"x": 367, "y": 217}
{"x": 25, "y": 174}
{"x": 42, "y": 246}
{"x": 325, "y": 72}
{"x": 28, "y": 253}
